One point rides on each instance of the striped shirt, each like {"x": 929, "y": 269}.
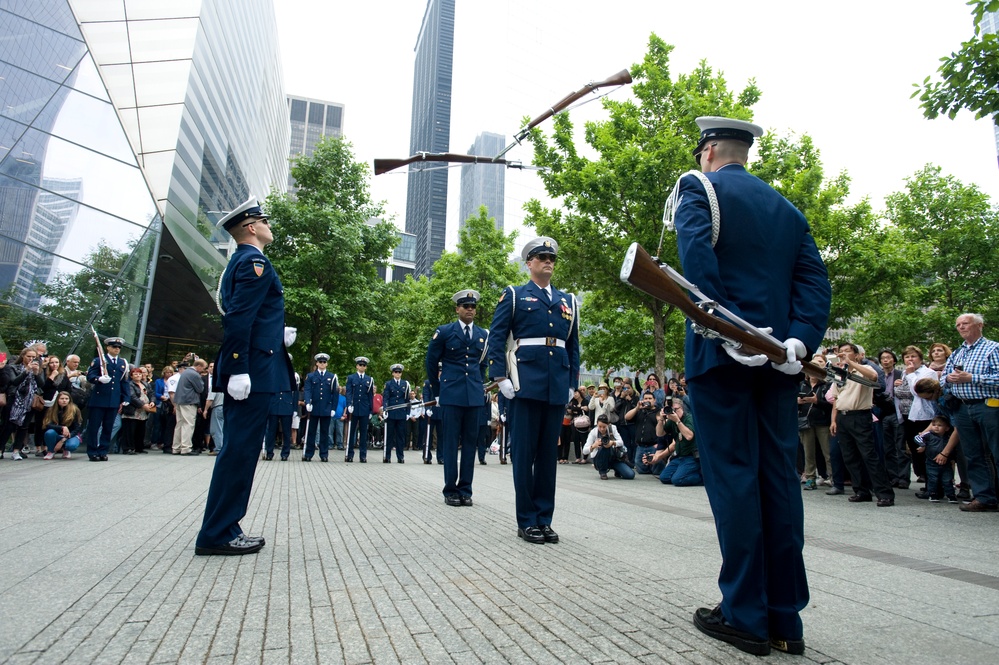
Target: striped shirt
{"x": 981, "y": 360}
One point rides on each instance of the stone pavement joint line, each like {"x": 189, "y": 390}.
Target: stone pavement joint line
{"x": 365, "y": 564}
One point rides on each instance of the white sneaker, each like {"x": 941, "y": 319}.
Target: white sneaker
{"x": 825, "y": 481}
{"x": 17, "y": 455}
{"x": 66, "y": 454}
{"x": 49, "y": 455}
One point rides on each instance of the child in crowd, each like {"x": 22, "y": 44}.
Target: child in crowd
{"x": 939, "y": 473}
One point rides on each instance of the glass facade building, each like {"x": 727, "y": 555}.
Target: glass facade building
{"x": 311, "y": 120}
{"x": 124, "y": 135}
{"x": 426, "y": 198}
{"x": 482, "y": 184}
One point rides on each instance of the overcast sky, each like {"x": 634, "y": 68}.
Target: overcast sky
{"x": 840, "y": 72}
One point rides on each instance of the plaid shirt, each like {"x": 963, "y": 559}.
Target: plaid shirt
{"x": 981, "y": 360}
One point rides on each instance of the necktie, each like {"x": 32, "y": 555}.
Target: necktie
{"x": 468, "y": 333}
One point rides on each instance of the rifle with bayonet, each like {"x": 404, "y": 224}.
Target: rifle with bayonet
{"x": 710, "y": 319}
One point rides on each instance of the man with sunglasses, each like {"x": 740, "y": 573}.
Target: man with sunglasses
{"x": 360, "y": 401}
{"x": 755, "y": 256}
{"x": 543, "y": 328}
{"x": 322, "y": 392}
{"x": 395, "y": 393}
{"x": 459, "y": 349}
{"x": 252, "y": 365}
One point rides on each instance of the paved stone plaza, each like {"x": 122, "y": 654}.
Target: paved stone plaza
{"x": 365, "y": 564}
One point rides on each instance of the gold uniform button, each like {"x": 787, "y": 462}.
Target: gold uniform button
{"x": 235, "y": 355}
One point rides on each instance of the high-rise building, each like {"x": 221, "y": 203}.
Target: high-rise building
{"x": 126, "y": 130}
{"x": 483, "y": 184}
{"x": 426, "y": 199}
{"x": 311, "y": 120}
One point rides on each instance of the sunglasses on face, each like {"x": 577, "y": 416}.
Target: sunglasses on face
{"x": 545, "y": 257}
{"x": 470, "y": 306}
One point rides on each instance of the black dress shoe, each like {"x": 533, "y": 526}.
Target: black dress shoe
{"x": 860, "y": 498}
{"x": 793, "y": 647}
{"x": 452, "y": 500}
{"x": 502, "y": 461}
{"x": 348, "y": 459}
{"x": 104, "y": 458}
{"x": 886, "y": 502}
{"x": 254, "y": 539}
{"x": 306, "y": 459}
{"x": 440, "y": 461}
{"x": 548, "y": 533}
{"x": 427, "y": 461}
{"x": 402, "y": 461}
{"x": 713, "y": 624}
{"x": 466, "y": 500}
{"x": 532, "y": 534}
{"x": 386, "y": 461}
{"x": 95, "y": 459}
{"x": 482, "y": 461}
{"x": 284, "y": 458}
{"x": 268, "y": 457}
{"x": 238, "y": 545}
{"x": 363, "y": 461}
{"x": 324, "y": 459}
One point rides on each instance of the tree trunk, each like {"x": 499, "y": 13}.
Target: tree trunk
{"x": 659, "y": 335}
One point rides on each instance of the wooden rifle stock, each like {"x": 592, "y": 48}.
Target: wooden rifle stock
{"x": 621, "y": 78}
{"x": 659, "y": 281}
{"x": 386, "y": 165}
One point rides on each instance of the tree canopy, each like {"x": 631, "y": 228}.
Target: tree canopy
{"x": 969, "y": 77}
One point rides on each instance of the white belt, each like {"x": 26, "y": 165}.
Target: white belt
{"x": 541, "y": 341}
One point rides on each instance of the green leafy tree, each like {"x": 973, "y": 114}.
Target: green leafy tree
{"x": 969, "y": 77}
{"x": 480, "y": 262}
{"x": 327, "y": 255}
{"x": 617, "y": 198}
{"x": 947, "y": 239}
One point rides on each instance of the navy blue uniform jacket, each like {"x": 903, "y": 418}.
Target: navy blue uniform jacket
{"x": 768, "y": 272}
{"x": 464, "y": 365}
{"x": 322, "y": 392}
{"x": 546, "y": 372}
{"x": 254, "y": 324}
{"x": 428, "y": 395}
{"x": 108, "y": 395}
{"x": 393, "y": 394}
{"x": 360, "y": 392}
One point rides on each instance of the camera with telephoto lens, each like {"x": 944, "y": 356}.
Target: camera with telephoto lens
{"x": 668, "y": 406}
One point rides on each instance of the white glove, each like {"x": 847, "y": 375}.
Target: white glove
{"x": 795, "y": 350}
{"x": 239, "y": 386}
{"x": 430, "y": 412}
{"x": 290, "y": 335}
{"x": 572, "y": 393}
{"x": 104, "y": 378}
{"x": 503, "y": 418}
{"x": 744, "y": 358}
{"x": 350, "y": 409}
{"x": 506, "y": 387}
{"x": 308, "y": 407}
{"x": 383, "y": 415}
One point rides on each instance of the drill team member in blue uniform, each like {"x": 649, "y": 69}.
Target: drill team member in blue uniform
{"x": 360, "y": 398}
{"x": 543, "y": 323}
{"x": 282, "y": 410}
{"x": 396, "y": 392}
{"x": 433, "y": 424}
{"x": 322, "y": 392}
{"x": 459, "y": 349}
{"x": 760, "y": 262}
{"x": 109, "y": 394}
{"x": 252, "y": 365}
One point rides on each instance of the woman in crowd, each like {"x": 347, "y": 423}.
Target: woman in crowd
{"x": 602, "y": 404}
{"x": 54, "y": 381}
{"x": 20, "y": 382}
{"x": 135, "y": 413}
{"x": 574, "y": 409}
{"x": 63, "y": 426}
{"x": 939, "y": 353}
{"x": 165, "y": 413}
{"x": 653, "y": 384}
{"x": 627, "y": 401}
{"x": 605, "y": 447}
{"x": 921, "y": 411}
{"x": 815, "y": 426}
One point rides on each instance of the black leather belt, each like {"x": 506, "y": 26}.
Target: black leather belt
{"x": 971, "y": 401}
{"x": 852, "y": 411}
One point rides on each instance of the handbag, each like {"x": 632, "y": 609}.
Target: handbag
{"x": 3, "y": 400}
{"x": 612, "y": 417}
{"x": 581, "y": 422}
{"x": 37, "y": 403}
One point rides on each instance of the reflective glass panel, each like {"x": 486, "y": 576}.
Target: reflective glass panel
{"x": 93, "y": 124}
{"x": 17, "y": 325}
{"x": 120, "y": 84}
{"x": 36, "y": 48}
{"x": 160, "y": 127}
{"x": 86, "y": 79}
{"x": 22, "y": 94}
{"x": 105, "y": 184}
{"x": 10, "y": 133}
{"x": 146, "y": 9}
{"x": 99, "y": 10}
{"x": 162, "y": 40}
{"x": 53, "y": 13}
{"x": 108, "y": 42}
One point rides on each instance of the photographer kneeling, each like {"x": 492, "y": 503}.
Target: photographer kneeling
{"x": 684, "y": 469}
{"x": 606, "y": 448}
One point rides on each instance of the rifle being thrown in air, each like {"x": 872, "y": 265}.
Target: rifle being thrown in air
{"x": 710, "y": 319}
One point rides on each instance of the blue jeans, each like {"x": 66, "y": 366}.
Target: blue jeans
{"x": 215, "y": 427}
{"x": 52, "y": 438}
{"x": 978, "y": 427}
{"x": 642, "y": 467}
{"x": 605, "y": 460}
{"x": 939, "y": 479}
{"x": 682, "y": 472}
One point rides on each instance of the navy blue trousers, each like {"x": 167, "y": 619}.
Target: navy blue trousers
{"x": 232, "y": 478}
{"x": 395, "y": 438}
{"x": 745, "y": 419}
{"x": 100, "y": 418}
{"x": 272, "y": 424}
{"x": 460, "y": 428}
{"x": 318, "y": 425}
{"x": 358, "y": 426}
{"x": 534, "y": 432}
